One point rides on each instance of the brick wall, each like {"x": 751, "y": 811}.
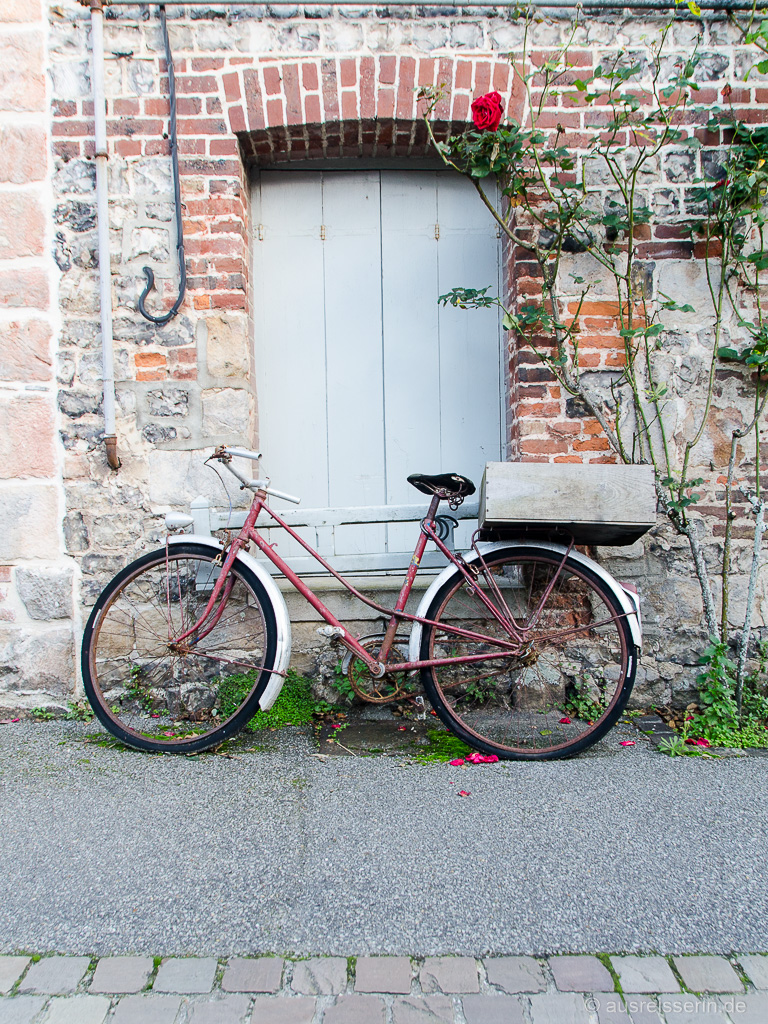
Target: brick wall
{"x": 255, "y": 86}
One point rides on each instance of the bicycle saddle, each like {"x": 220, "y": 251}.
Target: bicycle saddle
{"x": 444, "y": 485}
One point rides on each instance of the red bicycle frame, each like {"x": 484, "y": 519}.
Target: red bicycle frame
{"x": 506, "y": 649}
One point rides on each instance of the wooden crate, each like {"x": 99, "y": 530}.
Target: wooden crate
{"x": 597, "y": 504}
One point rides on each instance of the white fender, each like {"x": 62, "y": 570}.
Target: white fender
{"x": 283, "y": 652}
{"x": 626, "y": 599}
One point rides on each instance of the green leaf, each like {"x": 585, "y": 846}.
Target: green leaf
{"x": 580, "y": 85}
{"x": 510, "y": 322}
{"x": 728, "y": 354}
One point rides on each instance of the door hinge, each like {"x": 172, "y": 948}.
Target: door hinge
{"x": 260, "y": 232}
{"x": 322, "y": 232}
{"x": 437, "y": 232}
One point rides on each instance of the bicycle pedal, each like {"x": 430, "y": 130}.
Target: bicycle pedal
{"x": 331, "y": 632}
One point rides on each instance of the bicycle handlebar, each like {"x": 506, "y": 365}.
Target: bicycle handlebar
{"x": 225, "y": 451}
{"x": 243, "y": 453}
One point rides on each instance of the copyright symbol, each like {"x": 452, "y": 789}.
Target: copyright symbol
{"x": 592, "y": 1003}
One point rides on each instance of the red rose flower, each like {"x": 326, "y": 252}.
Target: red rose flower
{"x": 487, "y": 112}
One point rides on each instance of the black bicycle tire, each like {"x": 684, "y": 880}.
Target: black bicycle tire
{"x": 229, "y": 728}
{"x": 472, "y": 739}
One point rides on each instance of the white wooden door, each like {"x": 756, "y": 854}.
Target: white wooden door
{"x": 362, "y": 378}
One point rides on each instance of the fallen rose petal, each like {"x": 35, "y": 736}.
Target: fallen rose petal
{"x": 627, "y": 743}
{"x": 463, "y": 792}
{"x": 15, "y": 719}
{"x": 335, "y": 726}
{"x": 565, "y": 721}
{"x": 402, "y": 728}
{"x": 702, "y": 742}
{"x": 457, "y": 761}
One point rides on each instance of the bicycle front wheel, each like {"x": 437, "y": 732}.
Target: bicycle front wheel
{"x": 154, "y": 691}
{"x": 574, "y": 665}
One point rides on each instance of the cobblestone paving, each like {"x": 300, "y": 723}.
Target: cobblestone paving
{"x": 385, "y": 990}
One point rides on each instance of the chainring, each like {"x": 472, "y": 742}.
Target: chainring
{"x": 389, "y": 687}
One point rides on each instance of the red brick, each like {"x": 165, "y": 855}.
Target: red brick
{"x": 309, "y": 77}
{"x": 386, "y": 103}
{"x": 595, "y": 444}
{"x": 550, "y": 447}
{"x": 348, "y": 72}
{"x": 567, "y": 458}
{"x": 427, "y": 67}
{"x": 194, "y": 85}
{"x": 207, "y": 63}
{"x": 236, "y": 119}
{"x": 272, "y": 84}
{"x": 275, "y": 112}
{"x": 72, "y": 128}
{"x": 228, "y": 300}
{"x": 460, "y": 110}
{"x": 253, "y": 97}
{"x": 224, "y": 147}
{"x": 312, "y": 111}
{"x": 330, "y": 90}
{"x": 463, "y": 79}
{"x": 387, "y": 70}
{"x": 349, "y": 105}
{"x": 231, "y": 84}
{"x": 501, "y": 73}
{"x": 482, "y": 77}
{"x": 131, "y": 126}
{"x": 150, "y": 374}
{"x": 405, "y": 93}
{"x": 148, "y": 359}
{"x": 66, "y": 149}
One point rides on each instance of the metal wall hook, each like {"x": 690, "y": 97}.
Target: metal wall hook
{"x": 165, "y": 317}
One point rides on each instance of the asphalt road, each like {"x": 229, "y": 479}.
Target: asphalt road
{"x": 111, "y": 851}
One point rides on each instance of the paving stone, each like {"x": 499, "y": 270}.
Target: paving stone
{"x": 643, "y": 1009}
{"x": 749, "y": 1009}
{"x": 257, "y": 974}
{"x": 492, "y": 1010}
{"x": 20, "y": 1009}
{"x": 449, "y": 974}
{"x": 708, "y": 974}
{"x": 580, "y": 974}
{"x": 146, "y": 1010}
{"x": 55, "y": 975}
{"x": 355, "y": 1010}
{"x": 383, "y": 974}
{"x": 77, "y": 1010}
{"x": 756, "y": 969}
{"x": 559, "y": 1008}
{"x": 11, "y": 969}
{"x": 644, "y": 974}
{"x": 423, "y": 1010}
{"x": 121, "y": 974}
{"x": 185, "y": 974}
{"x": 320, "y": 976}
{"x": 515, "y": 973}
{"x": 610, "y": 1011}
{"x": 282, "y": 1010}
{"x": 689, "y": 1009}
{"x": 229, "y": 1010}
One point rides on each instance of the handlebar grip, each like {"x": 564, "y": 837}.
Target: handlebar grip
{"x": 243, "y": 453}
{"x": 284, "y": 496}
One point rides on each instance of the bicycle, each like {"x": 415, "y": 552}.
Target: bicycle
{"x": 526, "y": 649}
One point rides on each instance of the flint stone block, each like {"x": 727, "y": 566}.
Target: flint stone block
{"x": 261, "y": 974}
{"x": 70, "y": 80}
{"x": 121, "y": 974}
{"x": 55, "y": 975}
{"x": 22, "y": 1009}
{"x": 185, "y": 974}
{"x": 645, "y": 974}
{"x": 708, "y": 974}
{"x": 320, "y": 976}
{"x": 11, "y": 969}
{"x": 383, "y": 974}
{"x": 170, "y": 401}
{"x": 492, "y": 1010}
{"x": 46, "y": 594}
{"x": 42, "y": 661}
{"x": 515, "y": 974}
{"x": 449, "y": 974}
{"x": 147, "y": 1010}
{"x": 226, "y": 412}
{"x": 282, "y": 1010}
{"x": 78, "y": 1010}
{"x": 227, "y": 346}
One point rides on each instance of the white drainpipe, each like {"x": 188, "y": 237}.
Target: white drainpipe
{"x": 102, "y": 210}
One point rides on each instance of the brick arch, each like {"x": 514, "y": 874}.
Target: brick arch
{"x": 296, "y": 108}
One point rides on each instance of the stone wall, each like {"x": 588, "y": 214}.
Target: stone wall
{"x": 255, "y": 85}
{"x": 38, "y": 581}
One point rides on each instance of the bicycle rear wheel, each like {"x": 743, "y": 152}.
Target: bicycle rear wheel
{"x": 156, "y": 694}
{"x": 567, "y": 686}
